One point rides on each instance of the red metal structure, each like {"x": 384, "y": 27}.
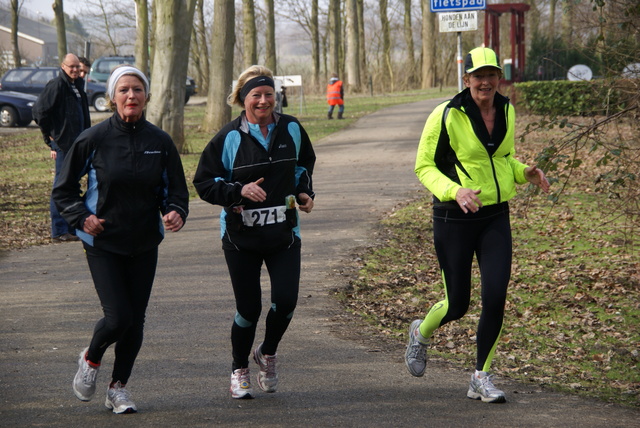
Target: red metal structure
{"x": 492, "y": 33}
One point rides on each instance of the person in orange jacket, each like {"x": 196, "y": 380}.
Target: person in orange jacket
{"x": 335, "y": 96}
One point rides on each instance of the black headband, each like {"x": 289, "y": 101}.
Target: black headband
{"x": 254, "y": 83}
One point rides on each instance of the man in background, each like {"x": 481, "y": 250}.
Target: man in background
{"x": 335, "y": 96}
{"x": 62, "y": 113}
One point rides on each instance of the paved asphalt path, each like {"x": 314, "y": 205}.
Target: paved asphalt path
{"x": 48, "y": 308}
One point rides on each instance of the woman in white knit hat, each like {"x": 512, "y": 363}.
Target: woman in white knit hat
{"x": 136, "y": 190}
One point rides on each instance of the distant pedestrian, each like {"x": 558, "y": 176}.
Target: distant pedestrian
{"x": 84, "y": 71}
{"x": 62, "y": 113}
{"x": 136, "y": 190}
{"x": 86, "y": 67}
{"x": 335, "y": 96}
{"x": 257, "y": 167}
{"x": 466, "y": 159}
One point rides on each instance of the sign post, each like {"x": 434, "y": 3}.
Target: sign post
{"x": 457, "y": 16}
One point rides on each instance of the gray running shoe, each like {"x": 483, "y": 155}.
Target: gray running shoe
{"x": 84, "y": 383}
{"x": 267, "y": 378}
{"x": 241, "y": 384}
{"x": 416, "y": 356}
{"x": 482, "y": 388}
{"x": 119, "y": 399}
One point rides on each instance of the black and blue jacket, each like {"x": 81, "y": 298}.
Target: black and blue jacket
{"x": 235, "y": 157}
{"x": 134, "y": 174}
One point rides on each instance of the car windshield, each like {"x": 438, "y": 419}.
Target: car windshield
{"x": 42, "y": 76}
{"x": 17, "y": 75}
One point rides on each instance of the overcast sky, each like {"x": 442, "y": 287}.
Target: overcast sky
{"x": 44, "y": 7}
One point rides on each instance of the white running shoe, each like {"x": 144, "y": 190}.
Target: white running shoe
{"x": 84, "y": 383}
{"x": 416, "y": 355}
{"x": 119, "y": 399}
{"x": 482, "y": 388}
{"x": 241, "y": 384}
{"x": 267, "y": 378}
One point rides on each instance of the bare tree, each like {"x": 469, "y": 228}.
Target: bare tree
{"x": 315, "y": 43}
{"x": 171, "y": 59}
{"x": 552, "y": 19}
{"x": 353, "y": 55}
{"x": 270, "y": 59}
{"x": 250, "y": 37}
{"x": 218, "y": 112}
{"x": 334, "y": 35}
{"x": 112, "y": 24}
{"x": 142, "y": 36}
{"x": 58, "y": 10}
{"x": 200, "y": 48}
{"x": 364, "y": 74}
{"x": 408, "y": 38}
{"x": 307, "y": 17}
{"x": 15, "y": 14}
{"x": 386, "y": 68}
{"x": 428, "y": 46}
{"x": 568, "y": 10}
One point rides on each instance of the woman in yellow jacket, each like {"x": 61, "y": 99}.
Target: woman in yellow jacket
{"x": 466, "y": 159}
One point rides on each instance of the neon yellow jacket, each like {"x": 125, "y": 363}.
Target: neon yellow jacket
{"x": 454, "y": 156}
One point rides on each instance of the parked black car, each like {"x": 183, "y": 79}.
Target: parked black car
{"x": 32, "y": 80}
{"x": 101, "y": 70}
{"x": 15, "y": 108}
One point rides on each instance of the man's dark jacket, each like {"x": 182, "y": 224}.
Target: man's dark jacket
{"x": 56, "y": 111}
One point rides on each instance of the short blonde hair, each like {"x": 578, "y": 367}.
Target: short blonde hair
{"x": 254, "y": 71}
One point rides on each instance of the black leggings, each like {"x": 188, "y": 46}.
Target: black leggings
{"x": 124, "y": 285}
{"x": 488, "y": 236}
{"x": 244, "y": 268}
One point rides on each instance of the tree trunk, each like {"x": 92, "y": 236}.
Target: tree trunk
{"x": 552, "y": 21}
{"x": 315, "y": 44}
{"x": 218, "y": 112}
{"x": 142, "y": 36}
{"x": 166, "y": 108}
{"x": 568, "y": 11}
{"x": 428, "y": 46}
{"x": 152, "y": 36}
{"x": 201, "y": 52}
{"x": 58, "y": 11}
{"x": 364, "y": 75}
{"x": 386, "y": 69}
{"x": 270, "y": 60}
{"x": 353, "y": 56}
{"x": 249, "y": 34}
{"x": 334, "y": 36}
{"x": 15, "y": 14}
{"x": 408, "y": 39}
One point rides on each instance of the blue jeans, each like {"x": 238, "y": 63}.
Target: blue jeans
{"x": 58, "y": 225}
{"x": 340, "y": 109}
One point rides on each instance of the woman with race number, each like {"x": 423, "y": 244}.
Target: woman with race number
{"x": 257, "y": 167}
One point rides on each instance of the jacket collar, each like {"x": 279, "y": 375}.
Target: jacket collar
{"x": 463, "y": 100}
{"x": 244, "y": 123}
{"x": 128, "y": 126}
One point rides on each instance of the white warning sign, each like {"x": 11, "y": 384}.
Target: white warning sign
{"x": 452, "y": 22}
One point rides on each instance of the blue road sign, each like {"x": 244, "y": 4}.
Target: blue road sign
{"x": 457, "y": 5}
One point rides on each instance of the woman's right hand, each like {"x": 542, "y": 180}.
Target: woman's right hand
{"x": 468, "y": 200}
{"x": 93, "y": 225}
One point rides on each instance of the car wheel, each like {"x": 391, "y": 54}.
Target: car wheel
{"x": 8, "y": 117}
{"x": 100, "y": 103}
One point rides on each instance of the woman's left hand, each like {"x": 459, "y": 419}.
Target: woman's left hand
{"x": 534, "y": 175}
{"x": 306, "y": 203}
{"x": 173, "y": 221}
